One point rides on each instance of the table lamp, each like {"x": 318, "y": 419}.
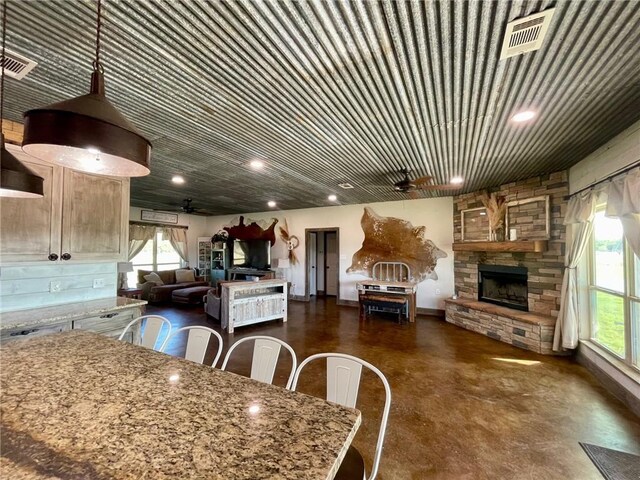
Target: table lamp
{"x": 123, "y": 269}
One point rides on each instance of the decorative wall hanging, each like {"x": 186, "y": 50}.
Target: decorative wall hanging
{"x": 252, "y": 231}
{"x": 475, "y": 225}
{"x": 496, "y": 207}
{"x": 291, "y": 241}
{"x": 389, "y": 239}
{"x": 529, "y": 218}
{"x": 162, "y": 217}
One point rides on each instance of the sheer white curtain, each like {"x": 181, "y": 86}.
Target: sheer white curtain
{"x": 178, "y": 239}
{"x": 579, "y": 221}
{"x": 623, "y": 202}
{"x": 139, "y": 235}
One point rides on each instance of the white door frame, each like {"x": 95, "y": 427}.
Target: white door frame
{"x": 307, "y": 238}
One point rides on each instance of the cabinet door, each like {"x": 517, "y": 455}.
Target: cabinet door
{"x": 31, "y": 226}
{"x": 95, "y": 216}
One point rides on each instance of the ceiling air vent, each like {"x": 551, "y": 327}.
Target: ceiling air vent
{"x": 16, "y": 65}
{"x": 346, "y": 186}
{"x": 526, "y": 34}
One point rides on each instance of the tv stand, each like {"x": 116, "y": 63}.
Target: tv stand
{"x": 241, "y": 273}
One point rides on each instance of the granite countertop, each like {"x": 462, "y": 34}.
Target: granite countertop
{"x": 78, "y": 405}
{"x": 65, "y": 312}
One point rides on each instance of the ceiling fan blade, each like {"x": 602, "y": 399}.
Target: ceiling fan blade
{"x": 440, "y": 187}
{"x": 423, "y": 180}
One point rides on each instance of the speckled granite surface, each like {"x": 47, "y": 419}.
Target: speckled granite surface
{"x": 77, "y": 405}
{"x": 68, "y": 311}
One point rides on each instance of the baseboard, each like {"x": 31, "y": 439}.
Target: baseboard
{"x": 602, "y": 369}
{"x": 433, "y": 312}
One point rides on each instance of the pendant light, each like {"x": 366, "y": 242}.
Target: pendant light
{"x": 87, "y": 133}
{"x": 16, "y": 180}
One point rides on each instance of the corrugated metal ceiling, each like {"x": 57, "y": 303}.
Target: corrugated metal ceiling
{"x": 329, "y": 92}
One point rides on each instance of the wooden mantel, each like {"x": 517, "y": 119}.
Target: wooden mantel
{"x": 515, "y": 246}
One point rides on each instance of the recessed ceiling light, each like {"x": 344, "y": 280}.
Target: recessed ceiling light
{"x": 256, "y": 164}
{"x": 456, "y": 180}
{"x": 177, "y": 179}
{"x": 271, "y": 203}
{"x": 332, "y": 198}
{"x": 523, "y": 116}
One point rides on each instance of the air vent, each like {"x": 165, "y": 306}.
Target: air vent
{"x": 16, "y": 65}
{"x": 526, "y": 34}
{"x": 346, "y": 186}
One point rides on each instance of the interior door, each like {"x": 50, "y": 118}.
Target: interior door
{"x": 331, "y": 259}
{"x": 312, "y": 256}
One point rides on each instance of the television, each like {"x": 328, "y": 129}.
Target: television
{"x": 252, "y": 254}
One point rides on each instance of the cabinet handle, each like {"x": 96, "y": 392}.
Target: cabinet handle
{"x": 108, "y": 315}
{"x": 66, "y": 256}
{"x": 53, "y": 257}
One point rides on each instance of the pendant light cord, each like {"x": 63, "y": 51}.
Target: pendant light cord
{"x": 97, "y": 64}
{"x": 4, "y": 40}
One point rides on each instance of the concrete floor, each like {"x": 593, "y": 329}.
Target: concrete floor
{"x": 464, "y": 406}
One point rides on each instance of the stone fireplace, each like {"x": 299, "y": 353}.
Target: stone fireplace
{"x": 535, "y": 275}
{"x": 503, "y": 285}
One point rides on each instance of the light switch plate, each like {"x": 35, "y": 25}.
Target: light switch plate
{"x": 54, "y": 286}
{"x": 98, "y": 282}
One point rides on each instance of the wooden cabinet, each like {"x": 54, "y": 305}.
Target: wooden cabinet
{"x": 31, "y": 227}
{"x": 81, "y": 217}
{"x": 246, "y": 303}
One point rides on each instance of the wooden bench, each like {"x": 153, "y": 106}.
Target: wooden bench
{"x": 384, "y": 303}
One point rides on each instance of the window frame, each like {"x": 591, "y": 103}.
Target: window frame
{"x": 631, "y": 329}
{"x": 154, "y": 265}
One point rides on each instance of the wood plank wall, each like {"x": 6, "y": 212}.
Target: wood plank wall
{"x": 29, "y": 286}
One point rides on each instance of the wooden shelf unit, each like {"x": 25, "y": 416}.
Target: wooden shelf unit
{"x": 514, "y": 246}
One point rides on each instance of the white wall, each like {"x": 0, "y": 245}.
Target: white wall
{"x": 436, "y": 214}
{"x": 618, "y": 153}
{"x": 197, "y": 228}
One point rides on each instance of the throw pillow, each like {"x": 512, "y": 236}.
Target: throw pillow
{"x": 153, "y": 277}
{"x": 183, "y": 276}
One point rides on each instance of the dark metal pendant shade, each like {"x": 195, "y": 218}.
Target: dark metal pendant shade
{"x": 88, "y": 134}
{"x": 16, "y": 180}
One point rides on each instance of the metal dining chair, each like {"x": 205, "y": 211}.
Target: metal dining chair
{"x": 151, "y": 331}
{"x": 197, "y": 343}
{"x": 343, "y": 382}
{"x": 265, "y": 357}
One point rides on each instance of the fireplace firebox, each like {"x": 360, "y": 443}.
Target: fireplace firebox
{"x": 503, "y": 285}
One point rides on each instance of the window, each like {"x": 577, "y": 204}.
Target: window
{"x": 157, "y": 254}
{"x": 614, "y": 286}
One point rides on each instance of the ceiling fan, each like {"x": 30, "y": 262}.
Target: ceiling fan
{"x": 186, "y": 207}
{"x": 406, "y": 185}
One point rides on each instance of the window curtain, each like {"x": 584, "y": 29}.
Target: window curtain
{"x": 178, "y": 239}
{"x": 623, "y": 202}
{"x": 579, "y": 221}
{"x": 139, "y": 235}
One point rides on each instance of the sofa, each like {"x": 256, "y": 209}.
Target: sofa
{"x": 213, "y": 299}
{"x": 154, "y": 293}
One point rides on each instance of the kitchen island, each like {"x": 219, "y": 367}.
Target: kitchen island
{"x": 81, "y": 405}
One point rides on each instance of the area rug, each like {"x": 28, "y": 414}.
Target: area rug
{"x": 613, "y": 465}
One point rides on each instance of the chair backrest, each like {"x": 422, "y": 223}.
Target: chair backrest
{"x": 391, "y": 272}
{"x": 197, "y": 343}
{"x": 265, "y": 358}
{"x": 343, "y": 382}
{"x": 152, "y": 328}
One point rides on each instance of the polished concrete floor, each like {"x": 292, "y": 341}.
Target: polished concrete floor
{"x": 464, "y": 406}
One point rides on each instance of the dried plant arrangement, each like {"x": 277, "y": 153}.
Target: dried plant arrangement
{"x": 496, "y": 206}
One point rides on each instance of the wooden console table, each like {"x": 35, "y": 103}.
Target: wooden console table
{"x": 246, "y": 303}
{"x": 406, "y": 290}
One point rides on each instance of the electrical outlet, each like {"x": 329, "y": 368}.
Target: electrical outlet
{"x": 54, "y": 286}
{"x": 98, "y": 282}
{"x": 437, "y": 291}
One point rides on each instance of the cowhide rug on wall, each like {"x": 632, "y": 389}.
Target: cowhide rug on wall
{"x": 390, "y": 239}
